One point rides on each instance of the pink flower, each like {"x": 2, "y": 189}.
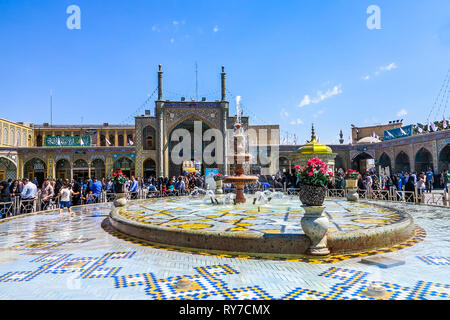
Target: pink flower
{"x": 310, "y": 173}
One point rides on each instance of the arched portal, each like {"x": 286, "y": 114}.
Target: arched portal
{"x": 385, "y": 162}
{"x": 8, "y": 169}
{"x": 363, "y": 162}
{"x": 149, "y": 168}
{"x": 80, "y": 169}
{"x": 176, "y": 168}
{"x": 149, "y": 136}
{"x": 120, "y": 141}
{"x": 339, "y": 163}
{"x": 444, "y": 158}
{"x": 283, "y": 163}
{"x": 98, "y": 169}
{"x": 126, "y": 165}
{"x": 423, "y": 160}
{"x": 63, "y": 169}
{"x": 402, "y": 162}
{"x": 39, "y": 141}
{"x": 35, "y": 168}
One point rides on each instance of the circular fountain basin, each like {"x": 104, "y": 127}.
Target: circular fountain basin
{"x": 272, "y": 228}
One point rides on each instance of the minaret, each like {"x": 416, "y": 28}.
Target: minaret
{"x": 341, "y": 136}
{"x": 160, "y": 92}
{"x": 223, "y": 76}
{"x": 313, "y": 134}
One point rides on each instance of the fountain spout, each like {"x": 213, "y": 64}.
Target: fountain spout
{"x": 239, "y": 180}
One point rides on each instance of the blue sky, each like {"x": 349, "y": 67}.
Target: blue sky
{"x": 275, "y": 54}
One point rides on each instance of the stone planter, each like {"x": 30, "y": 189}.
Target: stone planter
{"x": 121, "y": 196}
{"x": 352, "y": 189}
{"x": 119, "y": 188}
{"x": 219, "y": 186}
{"x": 351, "y": 183}
{"x": 315, "y": 226}
{"x": 312, "y": 195}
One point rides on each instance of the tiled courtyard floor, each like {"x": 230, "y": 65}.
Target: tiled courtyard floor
{"x": 46, "y": 256}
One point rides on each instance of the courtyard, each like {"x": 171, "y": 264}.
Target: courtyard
{"x": 48, "y": 256}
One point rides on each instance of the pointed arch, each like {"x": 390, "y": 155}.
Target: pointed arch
{"x": 423, "y": 160}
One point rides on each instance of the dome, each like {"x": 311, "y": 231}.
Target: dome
{"x": 314, "y": 147}
{"x": 368, "y": 140}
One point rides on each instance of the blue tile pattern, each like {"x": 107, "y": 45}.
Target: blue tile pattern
{"x": 46, "y": 256}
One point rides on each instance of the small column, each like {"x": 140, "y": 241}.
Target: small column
{"x": 161, "y": 143}
{"x": 223, "y": 76}
{"x": 89, "y": 170}
{"x": 98, "y": 137}
{"x": 19, "y": 167}
{"x": 160, "y": 90}
{"x": 116, "y": 138}
{"x": 225, "y": 143}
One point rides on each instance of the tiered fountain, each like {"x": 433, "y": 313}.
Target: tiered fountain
{"x": 239, "y": 180}
{"x": 246, "y": 228}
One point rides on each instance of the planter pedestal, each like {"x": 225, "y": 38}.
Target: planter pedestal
{"x": 352, "y": 195}
{"x": 121, "y": 200}
{"x": 315, "y": 225}
{"x": 352, "y": 189}
{"x": 219, "y": 187}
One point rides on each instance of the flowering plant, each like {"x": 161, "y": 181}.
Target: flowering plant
{"x": 119, "y": 177}
{"x": 351, "y": 174}
{"x": 315, "y": 173}
{"x": 218, "y": 177}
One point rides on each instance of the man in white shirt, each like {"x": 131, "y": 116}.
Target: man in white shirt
{"x": 28, "y": 194}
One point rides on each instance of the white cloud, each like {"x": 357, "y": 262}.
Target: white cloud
{"x": 216, "y": 28}
{"x": 175, "y": 23}
{"x": 389, "y": 67}
{"x": 306, "y": 100}
{"x": 381, "y": 69}
{"x": 402, "y": 113}
{"x": 172, "y": 40}
{"x": 296, "y": 121}
{"x": 155, "y": 28}
{"x": 320, "y": 96}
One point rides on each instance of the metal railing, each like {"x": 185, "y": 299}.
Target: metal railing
{"x": 394, "y": 195}
{"x": 19, "y": 206}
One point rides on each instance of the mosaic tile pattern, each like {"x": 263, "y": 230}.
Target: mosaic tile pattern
{"x": 88, "y": 263}
{"x": 353, "y": 285}
{"x": 419, "y": 235}
{"x": 281, "y": 216}
{"x": 436, "y": 260}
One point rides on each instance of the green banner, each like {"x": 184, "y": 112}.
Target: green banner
{"x": 67, "y": 141}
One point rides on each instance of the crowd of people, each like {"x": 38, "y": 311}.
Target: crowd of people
{"x": 75, "y": 192}
{"x": 400, "y": 182}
